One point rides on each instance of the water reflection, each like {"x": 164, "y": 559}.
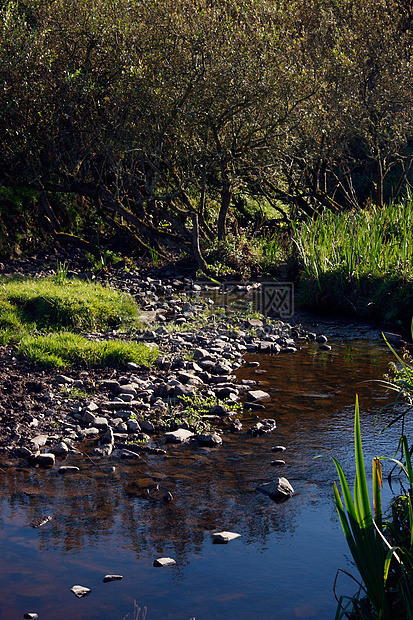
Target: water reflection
{"x": 284, "y": 564}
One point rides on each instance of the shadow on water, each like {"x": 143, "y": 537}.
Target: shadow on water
{"x": 111, "y": 517}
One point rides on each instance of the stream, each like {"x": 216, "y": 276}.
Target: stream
{"x": 111, "y": 517}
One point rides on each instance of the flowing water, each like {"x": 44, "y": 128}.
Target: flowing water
{"x": 109, "y": 520}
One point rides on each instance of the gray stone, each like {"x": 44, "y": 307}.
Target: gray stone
{"x": 88, "y": 417}
{"x": 102, "y": 451}
{"x": 46, "y": 460}
{"x": 22, "y": 452}
{"x": 68, "y": 469}
{"x": 278, "y": 449}
{"x": 257, "y": 395}
{"x": 107, "y": 437}
{"x": 108, "y": 578}
{"x": 125, "y": 454}
{"x": 133, "y": 426}
{"x": 100, "y": 423}
{"x": 64, "y": 380}
{"x": 146, "y": 426}
{"x": 262, "y": 428}
{"x": 209, "y": 439}
{"x": 110, "y": 384}
{"x": 30, "y": 615}
{"x": 128, "y": 389}
{"x": 80, "y": 591}
{"x": 179, "y": 436}
{"x": 164, "y": 562}
{"x": 224, "y": 537}
{"x": 236, "y": 426}
{"x": 395, "y": 340}
{"x": 278, "y": 463}
{"x": 324, "y": 347}
{"x": 278, "y": 490}
{"x": 218, "y": 410}
{"x": 60, "y": 449}
{"x": 90, "y": 432}
{"x": 38, "y": 441}
{"x": 91, "y": 407}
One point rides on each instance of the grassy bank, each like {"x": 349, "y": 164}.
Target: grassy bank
{"x": 45, "y": 318}
{"x": 358, "y": 262}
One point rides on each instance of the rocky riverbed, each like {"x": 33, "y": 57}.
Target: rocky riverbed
{"x": 119, "y": 413}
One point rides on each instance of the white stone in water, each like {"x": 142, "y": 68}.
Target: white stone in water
{"x": 224, "y": 537}
{"x": 164, "y": 562}
{"x": 68, "y": 469}
{"x": 179, "y": 436}
{"x": 80, "y": 591}
{"x": 107, "y": 578}
{"x": 257, "y": 394}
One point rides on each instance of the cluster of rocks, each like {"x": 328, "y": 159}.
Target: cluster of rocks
{"x": 201, "y": 347}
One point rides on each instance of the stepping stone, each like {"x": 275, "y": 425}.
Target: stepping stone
{"x": 164, "y": 562}
{"x": 80, "y": 591}
{"x": 108, "y": 578}
{"x": 278, "y": 490}
{"x": 224, "y": 537}
{"x": 257, "y": 395}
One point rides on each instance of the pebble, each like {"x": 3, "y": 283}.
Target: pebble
{"x": 108, "y": 578}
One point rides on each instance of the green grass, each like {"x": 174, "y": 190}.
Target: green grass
{"x": 45, "y": 319}
{"x": 75, "y": 304}
{"x": 359, "y": 261}
{"x": 64, "y": 349}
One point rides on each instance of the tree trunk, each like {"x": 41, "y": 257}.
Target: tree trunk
{"x": 226, "y": 196}
{"x": 195, "y": 244}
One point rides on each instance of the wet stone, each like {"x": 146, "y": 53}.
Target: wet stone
{"x": 209, "y": 439}
{"x": 164, "y": 562}
{"x": 102, "y": 451}
{"x": 278, "y": 449}
{"x": 278, "y": 490}
{"x": 255, "y": 395}
{"x": 60, "y": 449}
{"x": 64, "y": 470}
{"x": 324, "y": 347}
{"x": 180, "y": 436}
{"x": 80, "y": 591}
{"x": 224, "y": 537}
{"x": 108, "y": 578}
{"x": 46, "y": 460}
{"x": 30, "y": 615}
{"x": 278, "y": 463}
